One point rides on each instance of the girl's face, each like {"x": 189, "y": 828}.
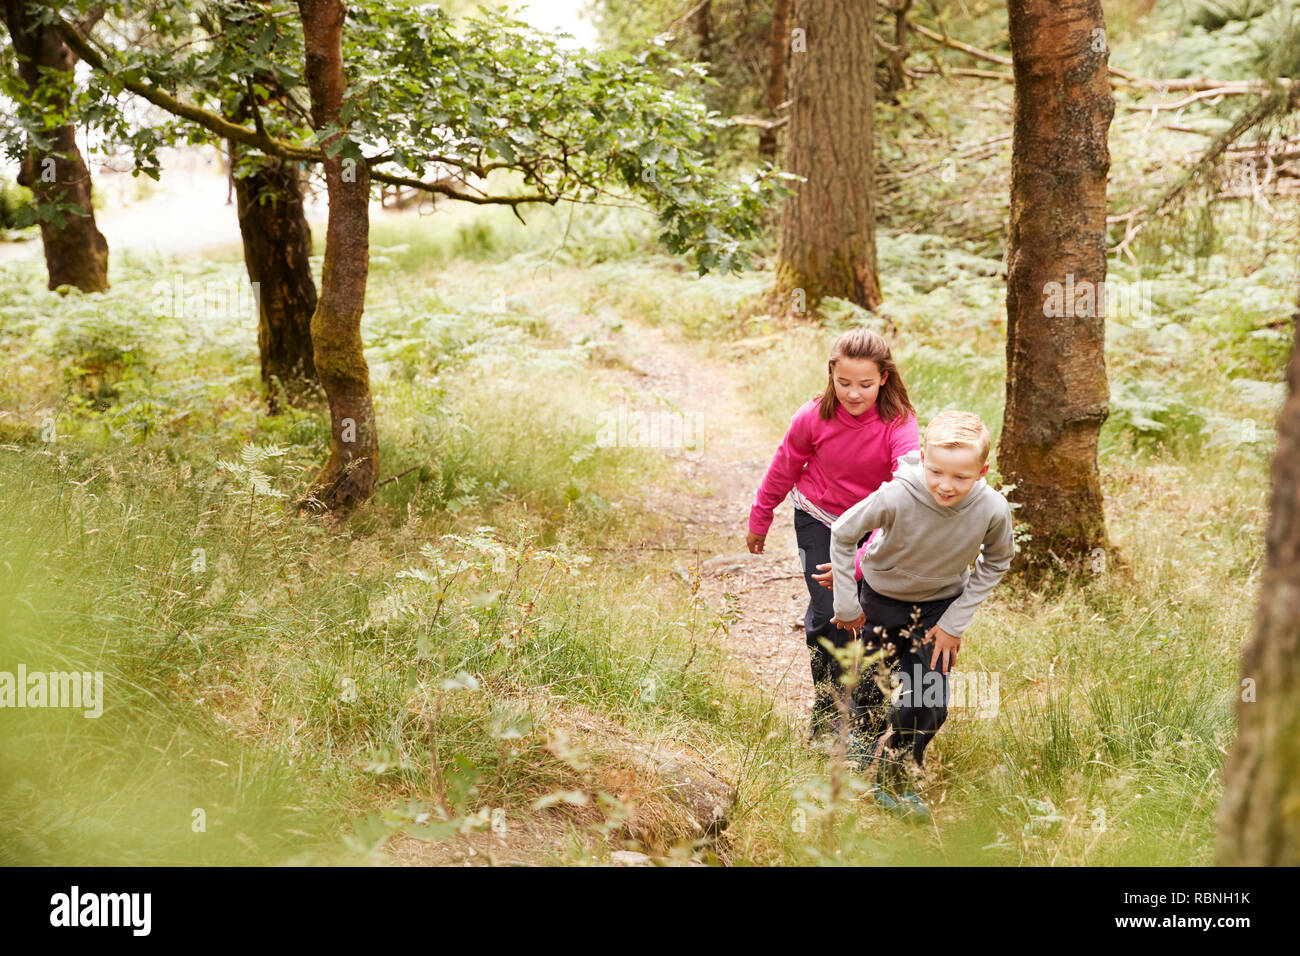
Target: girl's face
{"x": 857, "y": 383}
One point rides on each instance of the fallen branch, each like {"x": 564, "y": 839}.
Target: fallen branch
{"x": 890, "y": 180}
{"x": 1218, "y": 91}
{"x": 959, "y": 45}
{"x": 1180, "y": 128}
{"x": 962, "y": 71}
{"x": 1280, "y": 101}
{"x": 759, "y": 122}
{"x": 1269, "y": 106}
{"x": 1186, "y": 84}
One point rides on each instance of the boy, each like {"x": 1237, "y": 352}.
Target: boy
{"x": 932, "y": 520}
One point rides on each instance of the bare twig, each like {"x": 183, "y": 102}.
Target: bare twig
{"x": 400, "y": 474}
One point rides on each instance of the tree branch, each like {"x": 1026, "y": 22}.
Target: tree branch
{"x": 260, "y": 139}
{"x": 444, "y": 188}
{"x": 210, "y": 121}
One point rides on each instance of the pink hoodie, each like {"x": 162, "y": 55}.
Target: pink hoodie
{"x": 834, "y": 464}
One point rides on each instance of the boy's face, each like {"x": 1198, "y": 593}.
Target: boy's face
{"x": 950, "y": 473}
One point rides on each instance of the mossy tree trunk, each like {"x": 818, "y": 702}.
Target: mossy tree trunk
{"x": 1057, "y": 396}
{"x": 76, "y": 253}
{"x": 351, "y": 471}
{"x": 277, "y": 250}
{"x": 828, "y": 227}
{"x": 1259, "y": 817}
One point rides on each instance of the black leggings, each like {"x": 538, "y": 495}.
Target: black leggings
{"x": 922, "y": 691}
{"x": 815, "y": 548}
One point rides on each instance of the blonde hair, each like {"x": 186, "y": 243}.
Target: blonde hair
{"x": 955, "y": 429}
{"x": 861, "y": 343}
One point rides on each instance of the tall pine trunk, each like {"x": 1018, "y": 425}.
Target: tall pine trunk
{"x": 828, "y": 227}
{"x": 352, "y": 469}
{"x": 76, "y": 252}
{"x": 1057, "y": 396}
{"x": 1259, "y": 817}
{"x": 277, "y": 250}
{"x": 778, "y": 56}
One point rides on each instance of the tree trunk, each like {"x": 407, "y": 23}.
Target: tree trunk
{"x": 704, "y": 32}
{"x": 778, "y": 55}
{"x": 277, "y": 247}
{"x": 828, "y": 227}
{"x": 350, "y": 473}
{"x": 1057, "y": 396}
{"x": 76, "y": 252}
{"x": 1259, "y": 817}
{"x": 897, "y": 51}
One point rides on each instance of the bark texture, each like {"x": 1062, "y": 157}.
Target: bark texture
{"x": 1259, "y": 817}
{"x": 828, "y": 227}
{"x": 1057, "y": 395}
{"x": 778, "y": 56}
{"x": 76, "y": 252}
{"x": 351, "y": 471}
{"x": 277, "y": 250}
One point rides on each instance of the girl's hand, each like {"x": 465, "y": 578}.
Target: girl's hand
{"x": 852, "y": 626}
{"x": 755, "y": 542}
{"x": 824, "y": 579}
{"x": 945, "y": 646}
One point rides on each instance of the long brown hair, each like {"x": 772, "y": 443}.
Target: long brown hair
{"x": 892, "y": 402}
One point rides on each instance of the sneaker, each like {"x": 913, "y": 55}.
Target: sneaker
{"x": 907, "y": 804}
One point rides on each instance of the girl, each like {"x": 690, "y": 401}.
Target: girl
{"x": 841, "y": 447}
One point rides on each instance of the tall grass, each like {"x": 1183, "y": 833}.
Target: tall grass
{"x": 487, "y": 643}
{"x": 478, "y": 640}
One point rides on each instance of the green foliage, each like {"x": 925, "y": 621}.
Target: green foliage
{"x": 487, "y": 97}
{"x": 1217, "y": 38}
{"x": 574, "y": 123}
{"x": 1151, "y": 418}
{"x": 1277, "y": 54}
{"x": 13, "y": 198}
{"x": 1215, "y": 14}
{"x": 98, "y": 350}
{"x": 736, "y": 57}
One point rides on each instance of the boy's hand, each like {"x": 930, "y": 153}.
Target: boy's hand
{"x": 945, "y": 646}
{"x": 852, "y": 626}
{"x": 755, "y": 542}
{"x": 824, "y": 579}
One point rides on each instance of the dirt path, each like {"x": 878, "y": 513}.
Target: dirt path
{"x": 711, "y": 505}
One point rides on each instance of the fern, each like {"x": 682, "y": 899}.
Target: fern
{"x": 248, "y": 470}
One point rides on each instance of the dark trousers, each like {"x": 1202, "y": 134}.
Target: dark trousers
{"x": 903, "y": 693}
{"x": 815, "y": 548}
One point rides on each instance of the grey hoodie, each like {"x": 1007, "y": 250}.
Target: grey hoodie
{"x": 924, "y": 550}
